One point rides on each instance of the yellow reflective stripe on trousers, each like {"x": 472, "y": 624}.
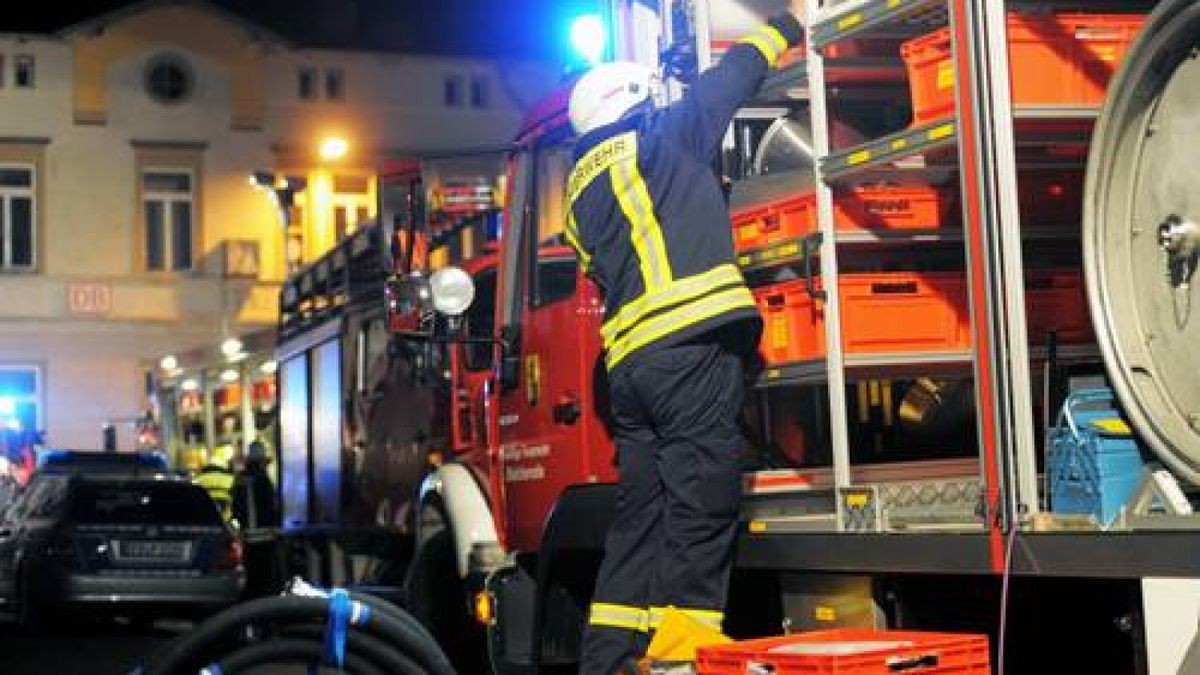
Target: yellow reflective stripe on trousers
{"x": 678, "y": 319}
{"x": 619, "y": 616}
{"x": 709, "y": 617}
{"x": 571, "y": 232}
{"x": 769, "y": 42}
{"x": 645, "y": 233}
{"x": 678, "y": 291}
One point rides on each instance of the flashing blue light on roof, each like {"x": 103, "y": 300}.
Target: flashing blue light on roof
{"x": 589, "y": 37}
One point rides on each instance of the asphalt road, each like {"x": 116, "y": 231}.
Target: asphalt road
{"x": 94, "y": 647}
{"x": 91, "y": 647}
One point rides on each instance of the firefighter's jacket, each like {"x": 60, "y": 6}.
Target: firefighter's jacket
{"x": 218, "y": 482}
{"x": 648, "y": 218}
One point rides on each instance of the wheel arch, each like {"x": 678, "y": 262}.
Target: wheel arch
{"x": 453, "y": 489}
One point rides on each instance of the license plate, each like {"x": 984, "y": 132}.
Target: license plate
{"x": 156, "y": 551}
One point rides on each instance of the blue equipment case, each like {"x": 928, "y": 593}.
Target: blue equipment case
{"x": 1095, "y": 463}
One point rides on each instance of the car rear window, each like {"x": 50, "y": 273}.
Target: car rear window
{"x": 102, "y": 462}
{"x": 143, "y": 504}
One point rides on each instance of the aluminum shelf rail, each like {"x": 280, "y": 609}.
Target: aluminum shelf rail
{"x": 853, "y": 19}
{"x": 783, "y": 253}
{"x": 897, "y": 364}
{"x": 1084, "y": 555}
{"x": 858, "y": 18}
{"x": 791, "y": 251}
{"x": 1039, "y": 127}
{"x": 947, "y": 235}
{"x": 938, "y": 134}
{"x": 868, "y": 366}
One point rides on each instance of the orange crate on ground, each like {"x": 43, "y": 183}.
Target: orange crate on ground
{"x": 1055, "y": 300}
{"x": 860, "y": 208}
{"x": 851, "y": 652}
{"x": 1054, "y": 59}
{"x": 886, "y": 312}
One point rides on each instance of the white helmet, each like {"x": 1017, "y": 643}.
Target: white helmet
{"x": 608, "y": 91}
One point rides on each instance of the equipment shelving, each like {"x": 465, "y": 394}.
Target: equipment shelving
{"x": 999, "y": 137}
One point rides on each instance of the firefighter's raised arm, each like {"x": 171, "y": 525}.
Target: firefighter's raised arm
{"x": 698, "y": 121}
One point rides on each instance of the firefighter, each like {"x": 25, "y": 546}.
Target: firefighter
{"x": 216, "y": 478}
{"x": 650, "y": 225}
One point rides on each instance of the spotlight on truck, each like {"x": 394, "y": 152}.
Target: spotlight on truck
{"x": 452, "y": 289}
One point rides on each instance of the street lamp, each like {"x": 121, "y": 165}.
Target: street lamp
{"x": 334, "y": 148}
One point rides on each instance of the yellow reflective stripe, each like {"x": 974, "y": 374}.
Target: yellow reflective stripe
{"x": 571, "y": 232}
{"x": 769, "y": 42}
{"x": 772, "y": 32}
{"x": 764, "y": 47}
{"x": 679, "y": 290}
{"x": 618, "y": 616}
{"x": 634, "y": 198}
{"x": 709, "y": 617}
{"x": 622, "y": 148}
{"x": 677, "y": 319}
{"x": 215, "y": 481}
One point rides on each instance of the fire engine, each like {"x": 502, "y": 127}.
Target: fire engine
{"x": 943, "y": 436}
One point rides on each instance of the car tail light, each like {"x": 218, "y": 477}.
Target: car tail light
{"x": 231, "y": 557}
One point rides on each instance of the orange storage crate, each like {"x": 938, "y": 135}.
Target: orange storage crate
{"x": 1055, "y": 300}
{"x": 887, "y": 312}
{"x": 851, "y": 652}
{"x": 860, "y": 208}
{"x": 892, "y": 312}
{"x": 783, "y": 220}
{"x": 891, "y": 208}
{"x": 793, "y": 324}
{"x": 1054, "y": 59}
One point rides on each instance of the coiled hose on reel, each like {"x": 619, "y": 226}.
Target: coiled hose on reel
{"x": 353, "y": 632}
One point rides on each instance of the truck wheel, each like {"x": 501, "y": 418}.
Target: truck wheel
{"x": 437, "y": 598}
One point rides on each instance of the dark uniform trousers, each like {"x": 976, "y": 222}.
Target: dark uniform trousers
{"x": 675, "y": 422}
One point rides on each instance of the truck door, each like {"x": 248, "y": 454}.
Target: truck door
{"x": 471, "y": 364}
{"x": 545, "y": 402}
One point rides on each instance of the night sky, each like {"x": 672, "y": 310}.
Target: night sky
{"x": 495, "y": 28}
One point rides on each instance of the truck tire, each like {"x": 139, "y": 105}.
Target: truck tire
{"x": 437, "y": 597}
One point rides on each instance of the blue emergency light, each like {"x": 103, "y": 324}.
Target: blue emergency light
{"x": 8, "y": 412}
{"x": 589, "y": 37}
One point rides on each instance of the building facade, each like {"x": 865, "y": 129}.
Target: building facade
{"x": 128, "y": 227}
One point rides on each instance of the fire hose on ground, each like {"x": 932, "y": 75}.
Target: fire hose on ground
{"x": 352, "y": 632}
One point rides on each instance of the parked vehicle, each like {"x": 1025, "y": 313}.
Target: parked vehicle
{"x": 138, "y": 544}
{"x": 99, "y": 461}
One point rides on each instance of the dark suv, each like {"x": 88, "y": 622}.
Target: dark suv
{"x": 124, "y": 543}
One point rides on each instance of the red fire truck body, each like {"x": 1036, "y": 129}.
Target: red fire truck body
{"x": 925, "y": 530}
